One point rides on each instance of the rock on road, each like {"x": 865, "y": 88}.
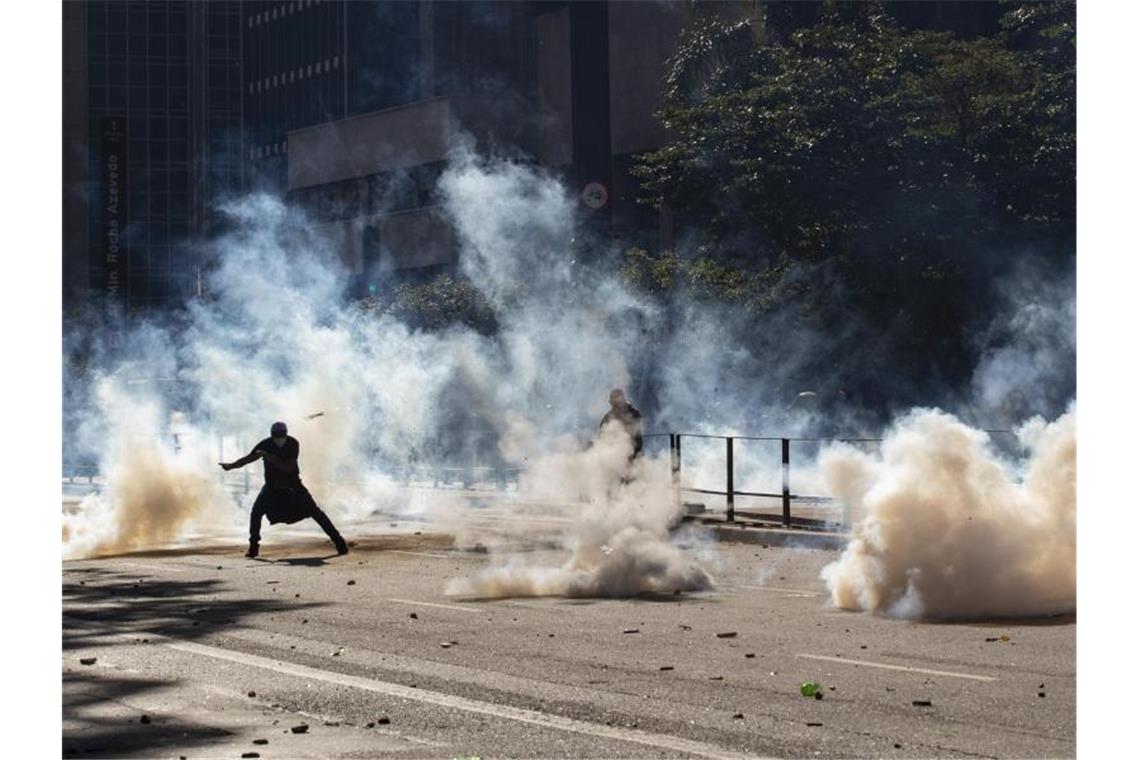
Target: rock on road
{"x": 226, "y": 656}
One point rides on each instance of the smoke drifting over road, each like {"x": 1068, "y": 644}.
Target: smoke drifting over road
{"x": 277, "y": 339}
{"x": 948, "y": 530}
{"x": 619, "y": 535}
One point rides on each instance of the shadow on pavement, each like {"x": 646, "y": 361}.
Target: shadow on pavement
{"x": 115, "y": 610}
{"x": 90, "y": 731}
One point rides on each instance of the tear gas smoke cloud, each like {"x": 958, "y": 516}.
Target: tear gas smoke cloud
{"x": 948, "y": 530}
{"x": 277, "y": 340}
{"x": 620, "y": 535}
{"x": 154, "y": 491}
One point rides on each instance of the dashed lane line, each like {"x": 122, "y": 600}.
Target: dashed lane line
{"x": 434, "y": 604}
{"x": 904, "y": 668}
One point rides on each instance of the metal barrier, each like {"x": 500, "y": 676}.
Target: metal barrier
{"x": 730, "y": 492}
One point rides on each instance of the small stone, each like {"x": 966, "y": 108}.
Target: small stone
{"x": 87, "y": 660}
{"x": 369, "y": 725}
{"x": 750, "y": 655}
{"x": 383, "y": 720}
{"x": 862, "y": 646}
{"x": 219, "y": 567}
{"x": 414, "y": 616}
{"x": 301, "y": 729}
{"x": 921, "y": 703}
{"x": 716, "y": 678}
{"x": 684, "y": 627}
{"x": 261, "y": 741}
{"x": 252, "y": 694}
{"x": 445, "y": 644}
{"x": 631, "y": 630}
{"x": 250, "y": 754}
{"x": 352, "y": 583}
{"x": 814, "y": 724}
{"x": 898, "y": 746}
{"x": 727, "y": 635}
{"x": 738, "y": 716}
{"x": 1041, "y": 694}
{"x": 666, "y": 667}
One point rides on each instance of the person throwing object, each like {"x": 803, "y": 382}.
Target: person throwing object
{"x": 283, "y": 498}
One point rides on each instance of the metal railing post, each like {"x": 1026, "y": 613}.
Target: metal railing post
{"x": 787, "y": 493}
{"x": 728, "y": 486}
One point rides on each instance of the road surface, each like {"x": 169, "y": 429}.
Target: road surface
{"x": 226, "y": 656}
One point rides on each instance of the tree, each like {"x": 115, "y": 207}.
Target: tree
{"x": 885, "y": 168}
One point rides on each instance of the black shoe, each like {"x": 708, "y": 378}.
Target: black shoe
{"x": 341, "y": 547}
{"x": 252, "y": 550}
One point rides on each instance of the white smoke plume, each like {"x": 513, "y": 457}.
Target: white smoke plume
{"x": 156, "y": 487}
{"x": 620, "y": 529}
{"x": 276, "y": 338}
{"x": 948, "y": 530}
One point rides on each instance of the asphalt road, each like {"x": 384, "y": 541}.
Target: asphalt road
{"x": 225, "y": 656}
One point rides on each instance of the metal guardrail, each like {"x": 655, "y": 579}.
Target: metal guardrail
{"x": 730, "y": 491}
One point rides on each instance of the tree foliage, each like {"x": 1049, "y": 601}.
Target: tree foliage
{"x": 890, "y": 168}
{"x": 443, "y": 302}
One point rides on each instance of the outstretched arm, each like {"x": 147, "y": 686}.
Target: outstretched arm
{"x": 252, "y": 456}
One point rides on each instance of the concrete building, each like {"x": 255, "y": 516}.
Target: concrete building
{"x": 571, "y": 86}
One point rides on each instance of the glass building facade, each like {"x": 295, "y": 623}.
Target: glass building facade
{"x": 163, "y": 82}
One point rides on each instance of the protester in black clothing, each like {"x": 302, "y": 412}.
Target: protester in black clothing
{"x": 283, "y": 498}
{"x": 630, "y": 419}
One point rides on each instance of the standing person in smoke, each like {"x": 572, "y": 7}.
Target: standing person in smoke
{"x": 283, "y": 498}
{"x": 628, "y": 417}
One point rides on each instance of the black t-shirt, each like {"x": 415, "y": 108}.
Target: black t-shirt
{"x": 288, "y": 453}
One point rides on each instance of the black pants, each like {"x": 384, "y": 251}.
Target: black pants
{"x": 262, "y": 506}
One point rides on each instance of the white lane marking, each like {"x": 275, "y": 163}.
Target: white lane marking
{"x": 434, "y": 604}
{"x": 160, "y": 568}
{"x": 904, "y": 668}
{"x": 533, "y": 717}
{"x": 418, "y": 554}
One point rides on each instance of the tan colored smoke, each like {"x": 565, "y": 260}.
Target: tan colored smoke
{"x": 154, "y": 491}
{"x": 619, "y": 532}
{"x": 948, "y": 531}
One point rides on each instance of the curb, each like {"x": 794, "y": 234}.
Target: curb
{"x": 750, "y": 533}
